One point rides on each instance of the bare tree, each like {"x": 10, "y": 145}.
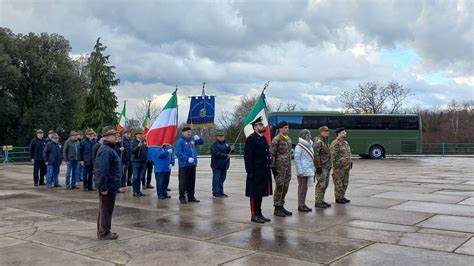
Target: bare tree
{"x": 288, "y": 107}
{"x": 155, "y": 110}
{"x": 374, "y": 98}
{"x": 242, "y": 110}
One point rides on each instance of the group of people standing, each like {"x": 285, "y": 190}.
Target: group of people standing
{"x": 313, "y": 161}
{"x": 115, "y": 161}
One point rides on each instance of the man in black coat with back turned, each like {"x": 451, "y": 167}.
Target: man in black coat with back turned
{"x": 36, "y": 153}
{"x": 257, "y": 166}
{"x": 220, "y": 161}
{"x": 108, "y": 179}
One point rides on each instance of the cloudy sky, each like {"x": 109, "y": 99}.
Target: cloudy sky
{"x": 309, "y": 50}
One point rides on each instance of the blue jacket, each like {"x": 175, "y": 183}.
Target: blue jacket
{"x": 128, "y": 150}
{"x": 187, "y": 148}
{"x": 220, "y": 155}
{"x": 107, "y": 168}
{"x": 87, "y": 146}
{"x": 52, "y": 154}
{"x": 161, "y": 159}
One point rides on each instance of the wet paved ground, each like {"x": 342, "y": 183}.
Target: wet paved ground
{"x": 410, "y": 211}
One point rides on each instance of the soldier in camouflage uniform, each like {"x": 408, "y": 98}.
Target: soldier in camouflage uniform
{"x": 280, "y": 154}
{"x": 341, "y": 165}
{"x": 322, "y": 162}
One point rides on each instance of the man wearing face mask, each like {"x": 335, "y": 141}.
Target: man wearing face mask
{"x": 341, "y": 165}
{"x": 186, "y": 151}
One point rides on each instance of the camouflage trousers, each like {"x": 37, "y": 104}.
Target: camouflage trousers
{"x": 322, "y": 185}
{"x": 282, "y": 182}
{"x": 340, "y": 178}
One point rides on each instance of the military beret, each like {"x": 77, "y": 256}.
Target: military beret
{"x": 39, "y": 131}
{"x": 185, "y": 129}
{"x": 282, "y": 124}
{"x": 51, "y": 132}
{"x": 340, "y": 130}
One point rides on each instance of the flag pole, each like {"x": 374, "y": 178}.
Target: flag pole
{"x": 177, "y": 110}
{"x": 242, "y": 129}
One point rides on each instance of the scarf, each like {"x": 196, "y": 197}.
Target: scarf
{"x": 307, "y": 147}
{"x": 285, "y": 137}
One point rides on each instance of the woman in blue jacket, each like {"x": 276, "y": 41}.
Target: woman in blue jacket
{"x": 163, "y": 161}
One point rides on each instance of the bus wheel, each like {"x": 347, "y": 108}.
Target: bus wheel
{"x": 376, "y": 152}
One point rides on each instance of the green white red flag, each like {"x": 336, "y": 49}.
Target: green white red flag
{"x": 122, "y": 119}
{"x": 260, "y": 109}
{"x": 163, "y": 129}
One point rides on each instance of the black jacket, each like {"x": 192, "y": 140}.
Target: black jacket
{"x": 72, "y": 150}
{"x": 107, "y": 168}
{"x": 127, "y": 153}
{"x": 87, "y": 147}
{"x": 36, "y": 148}
{"x": 257, "y": 166}
{"x": 52, "y": 154}
{"x": 220, "y": 155}
{"x": 95, "y": 150}
{"x": 139, "y": 152}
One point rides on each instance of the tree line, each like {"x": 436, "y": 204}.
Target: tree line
{"x": 43, "y": 87}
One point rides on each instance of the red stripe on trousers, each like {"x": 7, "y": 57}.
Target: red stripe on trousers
{"x": 252, "y": 210}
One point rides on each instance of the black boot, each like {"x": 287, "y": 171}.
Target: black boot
{"x": 320, "y": 205}
{"x": 287, "y": 213}
{"x": 257, "y": 219}
{"x": 327, "y": 204}
{"x": 346, "y": 200}
{"x": 265, "y": 219}
{"x": 279, "y": 211}
{"x": 340, "y": 201}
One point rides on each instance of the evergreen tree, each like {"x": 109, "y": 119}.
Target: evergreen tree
{"x": 100, "y": 103}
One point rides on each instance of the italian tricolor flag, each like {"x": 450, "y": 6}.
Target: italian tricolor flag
{"x": 163, "y": 130}
{"x": 146, "y": 122}
{"x": 121, "y": 124}
{"x": 260, "y": 109}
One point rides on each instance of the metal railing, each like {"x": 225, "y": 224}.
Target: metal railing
{"x": 22, "y": 154}
{"x": 448, "y": 148}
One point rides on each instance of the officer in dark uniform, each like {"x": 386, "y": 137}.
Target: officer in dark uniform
{"x": 108, "y": 174}
{"x": 257, "y": 166}
{"x": 36, "y": 153}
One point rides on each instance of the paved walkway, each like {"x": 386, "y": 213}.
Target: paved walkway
{"x": 407, "y": 211}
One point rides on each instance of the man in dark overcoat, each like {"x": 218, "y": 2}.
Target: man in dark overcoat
{"x": 257, "y": 166}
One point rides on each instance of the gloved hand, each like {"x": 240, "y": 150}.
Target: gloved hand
{"x": 196, "y": 137}
{"x": 170, "y": 166}
{"x": 274, "y": 171}
{"x": 351, "y": 166}
{"x": 170, "y": 151}
{"x": 191, "y": 160}
{"x": 319, "y": 170}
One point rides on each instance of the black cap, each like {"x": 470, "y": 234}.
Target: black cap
{"x": 282, "y": 124}
{"x": 339, "y": 130}
{"x": 258, "y": 120}
{"x": 185, "y": 129}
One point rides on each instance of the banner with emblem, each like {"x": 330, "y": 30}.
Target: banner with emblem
{"x": 202, "y": 110}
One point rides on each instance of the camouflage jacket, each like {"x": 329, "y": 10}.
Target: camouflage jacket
{"x": 340, "y": 154}
{"x": 280, "y": 152}
{"x": 322, "y": 153}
